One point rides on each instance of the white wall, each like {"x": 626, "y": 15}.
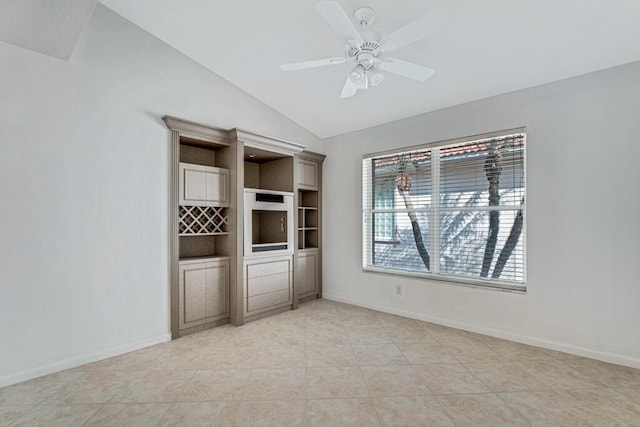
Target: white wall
{"x": 84, "y": 173}
{"x": 583, "y": 218}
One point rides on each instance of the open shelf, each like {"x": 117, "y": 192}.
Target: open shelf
{"x": 202, "y": 220}
{"x": 307, "y": 219}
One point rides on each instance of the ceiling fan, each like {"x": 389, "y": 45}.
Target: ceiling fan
{"x": 367, "y": 49}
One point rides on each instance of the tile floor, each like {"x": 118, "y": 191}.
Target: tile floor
{"x": 330, "y": 364}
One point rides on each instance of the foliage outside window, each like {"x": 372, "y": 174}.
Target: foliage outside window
{"x": 384, "y": 199}
{"x": 453, "y": 210}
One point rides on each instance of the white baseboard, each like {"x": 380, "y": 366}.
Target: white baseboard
{"x": 80, "y": 360}
{"x": 538, "y": 342}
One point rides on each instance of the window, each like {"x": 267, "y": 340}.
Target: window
{"x": 452, "y": 210}
{"x": 384, "y": 199}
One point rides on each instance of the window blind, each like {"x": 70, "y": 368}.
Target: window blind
{"x": 453, "y": 210}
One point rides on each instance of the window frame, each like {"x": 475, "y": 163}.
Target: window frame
{"x": 479, "y": 282}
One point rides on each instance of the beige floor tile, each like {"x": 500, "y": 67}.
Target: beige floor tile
{"x": 449, "y": 378}
{"x": 515, "y": 352}
{"x": 540, "y": 408}
{"x": 505, "y": 376}
{"x": 226, "y": 358}
{"x": 286, "y": 335}
{"x": 393, "y": 381}
{"x": 279, "y": 356}
{"x": 153, "y": 386}
{"x": 332, "y": 364}
{"x": 601, "y": 406}
{"x": 330, "y": 355}
{"x": 409, "y": 334}
{"x": 379, "y": 354}
{"x": 327, "y": 334}
{"x": 143, "y": 359}
{"x": 393, "y": 321}
{"x": 95, "y": 386}
{"x": 444, "y": 333}
{"x": 9, "y": 414}
{"x": 368, "y": 335}
{"x": 221, "y": 385}
{"x": 219, "y": 414}
{"x": 342, "y": 412}
{"x": 57, "y": 415}
{"x": 275, "y": 384}
{"x": 609, "y": 375}
{"x": 419, "y": 353}
{"x": 471, "y": 351}
{"x": 359, "y": 320}
{"x": 480, "y": 410}
{"x": 272, "y": 413}
{"x": 332, "y": 382}
{"x": 406, "y": 411}
{"x": 559, "y": 374}
{"x": 37, "y": 390}
{"x": 128, "y": 414}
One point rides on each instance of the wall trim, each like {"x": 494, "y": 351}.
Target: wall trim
{"x": 74, "y": 362}
{"x": 523, "y": 339}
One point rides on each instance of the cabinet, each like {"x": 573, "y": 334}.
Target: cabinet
{"x": 203, "y": 291}
{"x": 268, "y": 284}
{"x": 307, "y": 273}
{"x": 308, "y": 178}
{"x": 213, "y": 281}
{"x": 308, "y": 283}
{"x": 203, "y": 185}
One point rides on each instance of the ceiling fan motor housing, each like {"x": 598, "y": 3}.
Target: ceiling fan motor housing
{"x": 364, "y": 54}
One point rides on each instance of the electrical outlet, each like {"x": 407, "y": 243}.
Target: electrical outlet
{"x": 398, "y": 290}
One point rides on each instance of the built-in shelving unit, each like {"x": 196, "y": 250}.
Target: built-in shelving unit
{"x": 308, "y": 281}
{"x": 232, "y": 190}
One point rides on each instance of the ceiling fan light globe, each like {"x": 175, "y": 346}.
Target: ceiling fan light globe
{"x": 357, "y": 74}
{"x": 376, "y": 77}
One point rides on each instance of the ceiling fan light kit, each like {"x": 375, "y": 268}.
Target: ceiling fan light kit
{"x": 366, "y": 48}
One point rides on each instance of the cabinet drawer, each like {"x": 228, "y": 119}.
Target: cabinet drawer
{"x": 267, "y": 301}
{"x": 265, "y": 284}
{"x": 268, "y": 267}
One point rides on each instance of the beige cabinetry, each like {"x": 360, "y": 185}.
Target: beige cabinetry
{"x": 215, "y": 279}
{"x": 203, "y": 291}
{"x": 308, "y": 178}
{"x": 308, "y": 277}
{"x": 307, "y": 273}
{"x": 203, "y": 185}
{"x": 268, "y": 284}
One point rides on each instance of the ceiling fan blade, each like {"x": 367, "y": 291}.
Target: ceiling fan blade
{"x": 311, "y": 64}
{"x": 338, "y": 20}
{"x": 349, "y": 89}
{"x": 406, "y": 69}
{"x": 421, "y": 27}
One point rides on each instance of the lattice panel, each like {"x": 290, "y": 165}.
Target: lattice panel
{"x": 202, "y": 220}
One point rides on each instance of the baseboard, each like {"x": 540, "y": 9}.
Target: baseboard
{"x": 523, "y": 339}
{"x": 80, "y": 360}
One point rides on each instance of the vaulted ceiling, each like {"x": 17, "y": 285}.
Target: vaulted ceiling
{"x": 491, "y": 47}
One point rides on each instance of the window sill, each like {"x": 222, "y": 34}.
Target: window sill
{"x": 473, "y": 283}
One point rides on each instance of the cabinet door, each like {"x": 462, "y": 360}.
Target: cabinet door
{"x": 307, "y": 273}
{"x": 307, "y": 175}
{"x": 203, "y": 185}
{"x": 203, "y": 293}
